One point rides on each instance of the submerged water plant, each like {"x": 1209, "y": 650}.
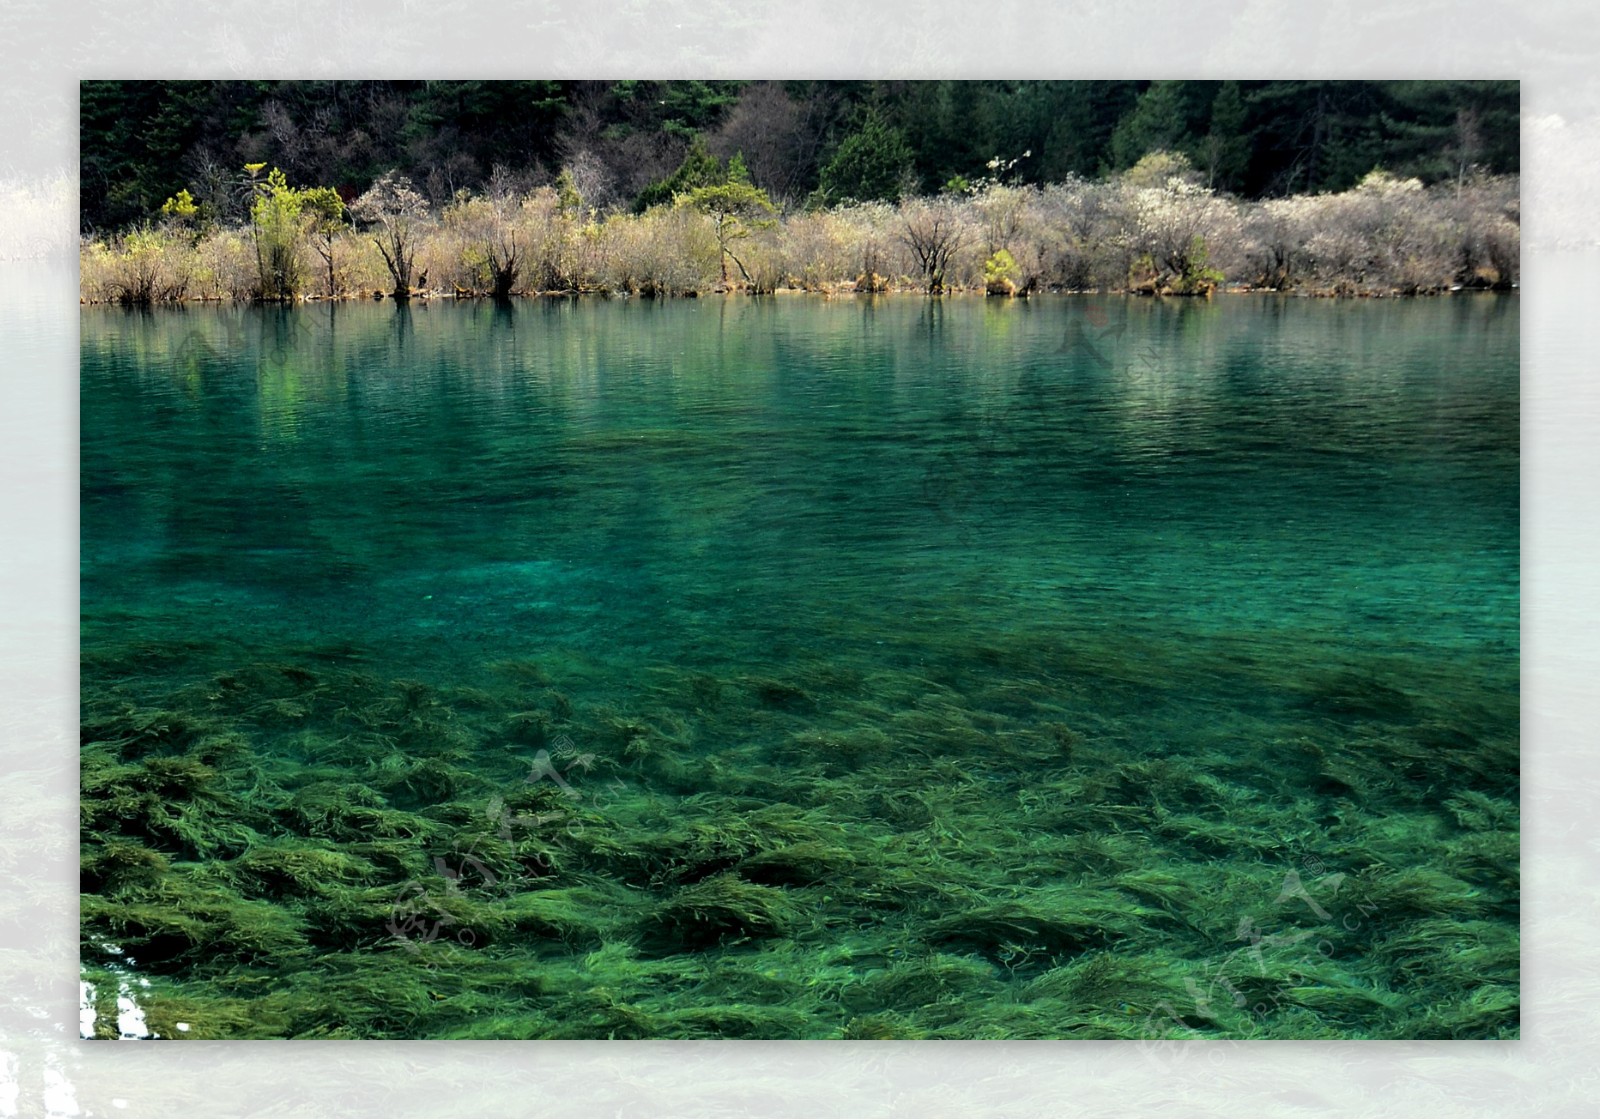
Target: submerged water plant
{"x": 634, "y": 705}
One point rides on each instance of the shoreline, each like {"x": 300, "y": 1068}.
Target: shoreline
{"x": 841, "y": 290}
{"x": 1385, "y": 237}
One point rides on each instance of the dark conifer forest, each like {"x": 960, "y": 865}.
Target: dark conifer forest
{"x": 803, "y": 141}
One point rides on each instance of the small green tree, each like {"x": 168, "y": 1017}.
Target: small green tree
{"x": 1159, "y": 168}
{"x": 325, "y": 218}
{"x": 1225, "y": 151}
{"x": 1156, "y": 122}
{"x": 181, "y": 209}
{"x": 276, "y": 229}
{"x": 736, "y": 210}
{"x": 997, "y": 272}
{"x": 699, "y": 169}
{"x": 569, "y": 199}
{"x": 871, "y": 165}
{"x": 1195, "y": 276}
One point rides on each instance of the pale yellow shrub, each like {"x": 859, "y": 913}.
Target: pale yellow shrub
{"x": 665, "y": 251}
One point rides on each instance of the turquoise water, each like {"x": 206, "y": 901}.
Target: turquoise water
{"x": 1050, "y": 636}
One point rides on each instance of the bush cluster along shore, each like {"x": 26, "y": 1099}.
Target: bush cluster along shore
{"x": 1155, "y": 229}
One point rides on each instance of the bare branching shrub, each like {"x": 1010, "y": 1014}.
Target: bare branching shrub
{"x": 1036, "y": 243}
{"x": 1408, "y": 237}
{"x": 395, "y": 212}
{"x": 877, "y": 250}
{"x": 669, "y": 250}
{"x": 481, "y": 246}
{"x": 448, "y": 251}
{"x": 1069, "y": 237}
{"x": 816, "y": 252}
{"x": 589, "y": 253}
{"x": 144, "y": 266}
{"x": 1340, "y": 252}
{"x": 935, "y": 230}
{"x": 1275, "y": 236}
{"x": 1488, "y": 214}
{"x": 356, "y": 257}
{"x": 225, "y": 266}
{"x": 506, "y": 259}
{"x": 1386, "y": 234}
{"x": 1420, "y": 257}
{"x": 364, "y": 270}
{"x": 1000, "y": 212}
{"x": 593, "y": 180}
{"x": 94, "y": 270}
{"x": 549, "y": 228}
{"x": 1495, "y": 253}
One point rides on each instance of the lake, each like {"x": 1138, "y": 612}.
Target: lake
{"x": 1079, "y": 667}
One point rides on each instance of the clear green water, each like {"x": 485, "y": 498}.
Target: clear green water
{"x": 1074, "y": 668}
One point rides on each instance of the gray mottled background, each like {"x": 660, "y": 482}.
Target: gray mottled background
{"x": 45, "y": 47}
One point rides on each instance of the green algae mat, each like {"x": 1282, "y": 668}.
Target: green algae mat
{"x": 1080, "y": 667}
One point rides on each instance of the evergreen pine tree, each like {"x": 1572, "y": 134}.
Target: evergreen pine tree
{"x": 1156, "y": 123}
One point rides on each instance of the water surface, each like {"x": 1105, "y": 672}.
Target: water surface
{"x": 1081, "y": 667}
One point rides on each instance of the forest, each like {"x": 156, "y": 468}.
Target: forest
{"x": 274, "y": 190}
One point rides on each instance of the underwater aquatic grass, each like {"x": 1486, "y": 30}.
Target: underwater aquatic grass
{"x": 552, "y": 721}
{"x": 1026, "y": 893}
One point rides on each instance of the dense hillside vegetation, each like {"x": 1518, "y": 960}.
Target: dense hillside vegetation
{"x": 143, "y": 141}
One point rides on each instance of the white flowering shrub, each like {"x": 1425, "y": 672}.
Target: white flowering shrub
{"x": 1173, "y": 231}
{"x": 1274, "y": 238}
